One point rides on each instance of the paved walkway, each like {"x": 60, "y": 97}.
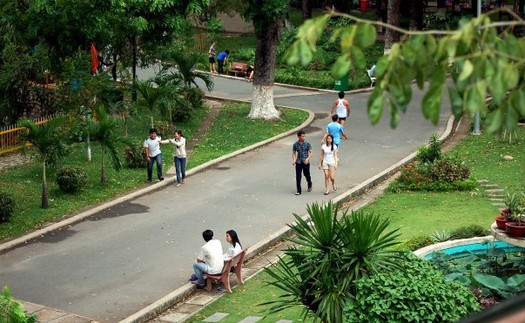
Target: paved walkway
{"x": 126, "y": 257}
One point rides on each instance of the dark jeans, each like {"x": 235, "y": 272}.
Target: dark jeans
{"x": 158, "y": 160}
{"x": 180, "y": 168}
{"x": 221, "y": 66}
{"x": 305, "y": 169}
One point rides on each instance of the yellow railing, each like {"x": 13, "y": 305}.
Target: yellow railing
{"x": 11, "y": 138}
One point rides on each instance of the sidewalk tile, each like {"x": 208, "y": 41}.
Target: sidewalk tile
{"x": 174, "y": 317}
{"x": 201, "y": 299}
{"x": 216, "y": 317}
{"x": 251, "y": 319}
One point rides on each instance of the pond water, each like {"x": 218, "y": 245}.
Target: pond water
{"x": 477, "y": 248}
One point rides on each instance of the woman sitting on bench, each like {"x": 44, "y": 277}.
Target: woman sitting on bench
{"x": 235, "y": 245}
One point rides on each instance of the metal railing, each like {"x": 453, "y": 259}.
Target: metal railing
{"x": 11, "y": 138}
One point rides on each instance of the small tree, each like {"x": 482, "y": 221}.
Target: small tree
{"x": 47, "y": 139}
{"x": 332, "y": 255}
{"x": 152, "y": 97}
{"x": 102, "y": 129}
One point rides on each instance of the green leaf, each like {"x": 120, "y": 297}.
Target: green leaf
{"x": 365, "y": 35}
{"x": 341, "y": 67}
{"x": 305, "y": 54}
{"x": 466, "y": 71}
{"x": 394, "y": 114}
{"x": 455, "y": 101}
{"x": 516, "y": 280}
{"x": 490, "y": 281}
{"x": 292, "y": 56}
{"x": 494, "y": 121}
{"x": 432, "y": 103}
{"x": 375, "y": 106}
{"x": 358, "y": 58}
{"x": 517, "y": 101}
{"x": 497, "y": 88}
{"x": 409, "y": 54}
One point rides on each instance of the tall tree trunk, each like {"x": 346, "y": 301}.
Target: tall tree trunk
{"x": 268, "y": 37}
{"x": 45, "y": 199}
{"x": 416, "y": 15}
{"x": 307, "y": 9}
{"x": 103, "y": 169}
{"x": 392, "y": 36}
{"x": 381, "y": 13}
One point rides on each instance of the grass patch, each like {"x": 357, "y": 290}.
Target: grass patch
{"x": 244, "y": 300}
{"x": 26, "y": 180}
{"x": 237, "y": 131}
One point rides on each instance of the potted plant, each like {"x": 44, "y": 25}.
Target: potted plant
{"x": 516, "y": 228}
{"x": 511, "y": 201}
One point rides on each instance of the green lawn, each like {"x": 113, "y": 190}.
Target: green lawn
{"x": 415, "y": 214}
{"x": 25, "y": 181}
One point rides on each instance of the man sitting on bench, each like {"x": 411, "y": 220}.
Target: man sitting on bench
{"x": 209, "y": 260}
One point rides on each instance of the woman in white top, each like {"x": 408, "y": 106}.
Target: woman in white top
{"x": 179, "y": 156}
{"x": 235, "y": 245}
{"x": 328, "y": 162}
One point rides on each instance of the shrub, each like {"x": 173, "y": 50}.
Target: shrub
{"x": 428, "y": 154}
{"x": 134, "y": 156}
{"x": 470, "y": 232}
{"x": 71, "y": 179}
{"x": 13, "y": 311}
{"x": 450, "y": 169}
{"x": 418, "y": 242}
{"x": 7, "y": 206}
{"x": 414, "y": 292}
{"x": 165, "y": 129}
{"x": 441, "y": 236}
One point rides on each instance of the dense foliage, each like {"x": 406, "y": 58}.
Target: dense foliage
{"x": 134, "y": 156}
{"x": 7, "y": 206}
{"x": 12, "y": 311}
{"x": 332, "y": 254}
{"x": 413, "y": 292}
{"x": 71, "y": 179}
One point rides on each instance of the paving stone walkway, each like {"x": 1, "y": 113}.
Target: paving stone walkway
{"x": 495, "y": 193}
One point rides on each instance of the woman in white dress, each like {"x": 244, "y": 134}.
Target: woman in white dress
{"x": 328, "y": 162}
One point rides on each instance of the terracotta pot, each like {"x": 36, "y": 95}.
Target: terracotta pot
{"x": 515, "y": 230}
{"x": 364, "y": 5}
{"x": 503, "y": 212}
{"x": 500, "y": 221}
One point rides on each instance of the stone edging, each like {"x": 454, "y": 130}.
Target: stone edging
{"x": 158, "y": 307}
{"x": 9, "y": 245}
{"x": 421, "y": 253}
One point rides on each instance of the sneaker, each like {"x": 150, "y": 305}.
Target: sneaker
{"x": 335, "y": 189}
{"x": 149, "y": 180}
{"x": 178, "y": 185}
{"x": 326, "y": 193}
{"x": 309, "y": 189}
{"x": 297, "y": 193}
{"x": 161, "y": 179}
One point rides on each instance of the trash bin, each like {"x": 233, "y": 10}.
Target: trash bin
{"x": 342, "y": 83}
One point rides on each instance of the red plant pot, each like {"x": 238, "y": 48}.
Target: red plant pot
{"x": 515, "y": 230}
{"x": 500, "y": 221}
{"x": 364, "y": 5}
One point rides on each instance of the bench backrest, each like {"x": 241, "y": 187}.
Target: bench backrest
{"x": 239, "y": 66}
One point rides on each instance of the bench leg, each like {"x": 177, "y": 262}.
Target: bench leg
{"x": 238, "y": 273}
{"x": 208, "y": 285}
{"x": 226, "y": 283}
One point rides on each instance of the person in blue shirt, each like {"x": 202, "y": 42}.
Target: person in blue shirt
{"x": 221, "y": 59}
{"x": 336, "y": 130}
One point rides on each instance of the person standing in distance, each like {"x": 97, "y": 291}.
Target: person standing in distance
{"x": 341, "y": 107}
{"x": 179, "y": 156}
{"x": 153, "y": 154}
{"x": 222, "y": 59}
{"x": 211, "y": 58}
{"x": 301, "y": 154}
{"x": 336, "y": 130}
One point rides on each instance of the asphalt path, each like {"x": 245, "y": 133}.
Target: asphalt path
{"x": 125, "y": 258}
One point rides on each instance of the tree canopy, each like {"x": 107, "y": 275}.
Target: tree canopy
{"x": 482, "y": 58}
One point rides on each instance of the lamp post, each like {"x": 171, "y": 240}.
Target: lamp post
{"x": 477, "y": 118}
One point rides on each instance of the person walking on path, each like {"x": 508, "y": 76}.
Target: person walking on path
{"x": 211, "y": 58}
{"x": 179, "y": 155}
{"x": 328, "y": 162}
{"x": 222, "y": 59}
{"x": 336, "y": 130}
{"x": 341, "y": 107}
{"x": 209, "y": 260}
{"x": 301, "y": 154}
{"x": 153, "y": 154}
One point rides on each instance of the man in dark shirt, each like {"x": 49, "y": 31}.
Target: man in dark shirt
{"x": 301, "y": 154}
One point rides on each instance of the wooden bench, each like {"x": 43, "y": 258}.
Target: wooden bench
{"x": 224, "y": 276}
{"x": 238, "y": 69}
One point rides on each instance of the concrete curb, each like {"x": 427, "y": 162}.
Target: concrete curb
{"x": 152, "y": 311}
{"x": 421, "y": 253}
{"x": 9, "y": 245}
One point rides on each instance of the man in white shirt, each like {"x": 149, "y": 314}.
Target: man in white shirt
{"x": 153, "y": 154}
{"x": 209, "y": 260}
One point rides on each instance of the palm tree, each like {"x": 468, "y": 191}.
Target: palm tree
{"x": 153, "y": 96}
{"x": 181, "y": 64}
{"x": 46, "y": 138}
{"x": 330, "y": 255}
{"x": 102, "y": 130}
